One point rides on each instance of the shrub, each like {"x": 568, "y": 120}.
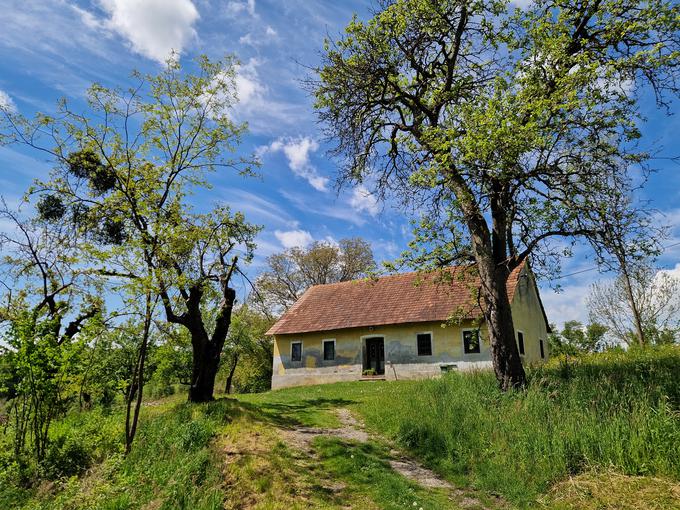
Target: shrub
{"x": 67, "y": 455}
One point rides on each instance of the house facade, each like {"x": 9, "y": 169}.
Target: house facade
{"x": 403, "y": 326}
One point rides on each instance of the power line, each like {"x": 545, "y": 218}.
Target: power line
{"x": 664, "y": 248}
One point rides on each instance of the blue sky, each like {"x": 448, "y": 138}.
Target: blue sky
{"x": 56, "y": 48}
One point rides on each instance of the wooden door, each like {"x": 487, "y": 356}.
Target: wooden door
{"x": 375, "y": 355}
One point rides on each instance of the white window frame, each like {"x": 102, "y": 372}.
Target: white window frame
{"x": 431, "y": 343}
{"x": 462, "y": 341}
{"x": 524, "y": 342}
{"x": 302, "y": 350}
{"x": 323, "y": 349}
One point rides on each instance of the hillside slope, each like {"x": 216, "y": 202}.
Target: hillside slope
{"x": 601, "y": 433}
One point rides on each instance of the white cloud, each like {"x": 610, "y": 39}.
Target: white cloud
{"x": 293, "y": 238}
{"x": 339, "y": 211}
{"x": 567, "y": 305}
{"x": 257, "y": 208}
{"x": 297, "y": 152}
{"x": 256, "y": 105}
{"x": 363, "y": 200}
{"x": 6, "y": 101}
{"x": 249, "y": 88}
{"x": 236, "y": 7}
{"x": 522, "y": 4}
{"x": 154, "y": 28}
{"x": 331, "y": 240}
{"x": 674, "y": 272}
{"x": 257, "y": 39}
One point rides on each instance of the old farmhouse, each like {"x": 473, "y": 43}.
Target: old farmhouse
{"x": 398, "y": 327}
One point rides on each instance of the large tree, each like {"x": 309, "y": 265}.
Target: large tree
{"x": 513, "y": 129}
{"x": 124, "y": 172}
{"x": 293, "y": 271}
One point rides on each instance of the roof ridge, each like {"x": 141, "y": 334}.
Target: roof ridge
{"x": 382, "y": 277}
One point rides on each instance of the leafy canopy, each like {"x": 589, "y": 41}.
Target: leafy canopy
{"x": 508, "y": 128}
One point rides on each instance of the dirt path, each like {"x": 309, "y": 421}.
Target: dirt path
{"x": 302, "y": 437}
{"x": 352, "y": 429}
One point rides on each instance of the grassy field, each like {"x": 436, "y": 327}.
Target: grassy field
{"x": 599, "y": 433}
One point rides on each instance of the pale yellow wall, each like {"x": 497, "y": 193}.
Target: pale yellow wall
{"x": 401, "y": 358}
{"x": 528, "y": 317}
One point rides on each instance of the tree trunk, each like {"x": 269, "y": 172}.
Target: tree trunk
{"x": 230, "y": 377}
{"x": 507, "y": 363}
{"x": 206, "y": 362}
{"x": 207, "y": 350}
{"x": 137, "y": 386}
{"x": 639, "y": 331}
{"x": 490, "y": 253}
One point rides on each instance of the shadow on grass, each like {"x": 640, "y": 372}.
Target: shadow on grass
{"x": 365, "y": 468}
{"x": 310, "y": 412}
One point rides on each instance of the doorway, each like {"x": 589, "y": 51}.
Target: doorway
{"x": 374, "y": 358}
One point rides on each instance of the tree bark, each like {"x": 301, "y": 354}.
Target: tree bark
{"x": 639, "y": 331}
{"x": 507, "y": 363}
{"x": 206, "y": 360}
{"x": 230, "y": 377}
{"x": 489, "y": 248}
{"x": 207, "y": 350}
{"x": 137, "y": 385}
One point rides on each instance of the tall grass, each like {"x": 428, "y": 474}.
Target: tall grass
{"x": 173, "y": 464}
{"x": 617, "y": 410}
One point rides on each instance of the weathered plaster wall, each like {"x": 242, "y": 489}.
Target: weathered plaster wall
{"x": 528, "y": 318}
{"x": 401, "y": 358}
{"x": 401, "y": 355}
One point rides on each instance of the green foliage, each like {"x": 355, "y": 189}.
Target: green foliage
{"x": 507, "y": 129}
{"x": 575, "y": 339}
{"x": 173, "y": 458}
{"x": 250, "y": 349}
{"x": 614, "y": 409}
{"x": 44, "y": 369}
{"x": 254, "y": 371}
{"x": 66, "y": 456}
{"x": 50, "y": 208}
{"x": 122, "y": 175}
{"x": 172, "y": 361}
{"x": 480, "y": 108}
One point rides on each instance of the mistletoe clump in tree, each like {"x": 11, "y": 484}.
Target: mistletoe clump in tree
{"x": 124, "y": 172}
{"x": 512, "y": 128}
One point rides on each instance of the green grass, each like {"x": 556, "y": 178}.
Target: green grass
{"x": 580, "y": 434}
{"x": 173, "y": 462}
{"x": 617, "y": 410}
{"x": 364, "y": 468}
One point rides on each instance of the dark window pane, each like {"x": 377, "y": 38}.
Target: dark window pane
{"x": 296, "y": 351}
{"x": 540, "y": 343}
{"x": 471, "y": 341}
{"x": 424, "y": 344}
{"x": 520, "y": 342}
{"x": 328, "y": 351}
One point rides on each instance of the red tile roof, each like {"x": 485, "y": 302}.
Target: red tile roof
{"x": 396, "y": 299}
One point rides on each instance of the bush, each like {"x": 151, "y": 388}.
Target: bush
{"x": 66, "y": 455}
